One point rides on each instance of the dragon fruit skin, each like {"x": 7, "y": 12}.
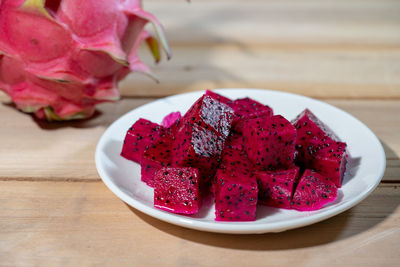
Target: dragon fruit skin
{"x": 177, "y": 190}
{"x": 140, "y": 137}
{"x": 158, "y": 155}
{"x": 270, "y": 142}
{"x": 313, "y": 191}
{"x": 93, "y": 45}
{"x": 171, "y": 119}
{"x": 277, "y": 187}
{"x": 247, "y": 108}
{"x": 235, "y": 195}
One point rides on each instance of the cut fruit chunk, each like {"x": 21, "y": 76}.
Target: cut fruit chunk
{"x": 235, "y": 196}
{"x": 276, "y": 188}
{"x": 270, "y": 142}
{"x": 313, "y": 192}
{"x": 177, "y": 190}
{"x": 139, "y": 137}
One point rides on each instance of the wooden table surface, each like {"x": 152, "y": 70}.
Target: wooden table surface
{"x": 55, "y": 210}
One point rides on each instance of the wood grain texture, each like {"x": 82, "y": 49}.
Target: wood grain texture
{"x": 36, "y": 150}
{"x": 324, "y": 49}
{"x": 70, "y": 224}
{"x": 327, "y": 73}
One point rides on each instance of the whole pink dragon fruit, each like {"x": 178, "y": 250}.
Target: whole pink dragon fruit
{"x": 59, "y": 58}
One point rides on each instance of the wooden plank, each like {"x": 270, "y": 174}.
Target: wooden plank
{"x": 327, "y": 73}
{"x": 287, "y": 22}
{"x": 33, "y": 150}
{"x": 59, "y": 223}
{"x": 38, "y": 150}
{"x": 324, "y": 49}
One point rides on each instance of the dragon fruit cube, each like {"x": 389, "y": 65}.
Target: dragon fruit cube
{"x": 198, "y": 147}
{"x": 313, "y": 191}
{"x": 139, "y": 137}
{"x": 219, "y": 97}
{"x": 209, "y": 113}
{"x": 270, "y": 142}
{"x": 247, "y": 108}
{"x": 177, "y": 190}
{"x": 276, "y": 188}
{"x": 326, "y": 157}
{"x": 158, "y": 155}
{"x": 236, "y": 194}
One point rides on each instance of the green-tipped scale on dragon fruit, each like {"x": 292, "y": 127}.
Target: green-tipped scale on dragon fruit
{"x": 158, "y": 155}
{"x": 270, "y": 142}
{"x": 139, "y": 137}
{"x": 313, "y": 191}
{"x": 276, "y": 188}
{"x": 65, "y": 76}
{"x": 247, "y": 108}
{"x": 326, "y": 157}
{"x": 235, "y": 195}
{"x": 177, "y": 190}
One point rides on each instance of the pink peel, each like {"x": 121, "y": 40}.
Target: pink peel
{"x": 92, "y": 48}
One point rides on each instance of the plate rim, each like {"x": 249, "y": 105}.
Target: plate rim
{"x": 234, "y": 227}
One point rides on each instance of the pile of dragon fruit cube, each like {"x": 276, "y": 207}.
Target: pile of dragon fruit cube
{"x": 242, "y": 154}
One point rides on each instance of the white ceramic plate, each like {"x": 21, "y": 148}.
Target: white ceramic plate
{"x": 364, "y": 170}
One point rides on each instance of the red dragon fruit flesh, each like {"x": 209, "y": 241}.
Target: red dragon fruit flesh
{"x": 198, "y": 147}
{"x": 319, "y": 148}
{"x": 177, "y": 190}
{"x": 326, "y": 157}
{"x": 313, "y": 191}
{"x": 158, "y": 155}
{"x": 270, "y": 142}
{"x": 139, "y": 137}
{"x": 211, "y": 114}
{"x": 235, "y": 141}
{"x": 231, "y": 160}
{"x": 235, "y": 159}
{"x": 219, "y": 97}
{"x": 247, "y": 108}
{"x": 309, "y": 126}
{"x": 235, "y": 196}
{"x": 276, "y": 188}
